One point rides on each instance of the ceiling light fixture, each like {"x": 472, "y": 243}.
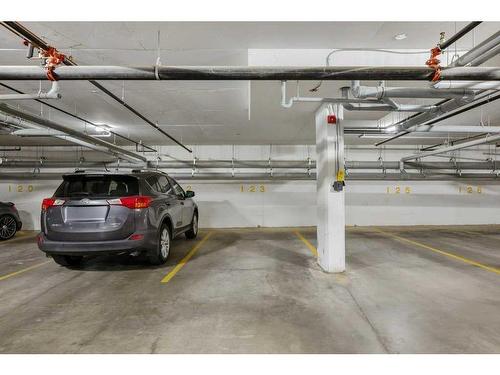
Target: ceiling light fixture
{"x": 401, "y": 36}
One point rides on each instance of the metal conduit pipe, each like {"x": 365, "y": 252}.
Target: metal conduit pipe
{"x": 401, "y": 176}
{"x": 8, "y": 162}
{"x": 446, "y": 107}
{"x": 83, "y": 143}
{"x": 470, "y": 85}
{"x": 389, "y": 106}
{"x": 486, "y": 50}
{"x": 485, "y": 57}
{"x": 289, "y": 103}
{"x": 259, "y": 73}
{"x": 444, "y": 129}
{"x": 422, "y": 118}
{"x": 409, "y": 107}
{"x": 47, "y": 133}
{"x": 60, "y": 135}
{"x": 477, "y": 142}
{"x": 13, "y": 115}
{"x": 379, "y": 92}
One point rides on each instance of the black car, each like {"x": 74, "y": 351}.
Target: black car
{"x": 10, "y": 221}
{"x": 105, "y": 213}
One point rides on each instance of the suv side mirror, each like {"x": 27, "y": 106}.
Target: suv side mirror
{"x": 189, "y": 194}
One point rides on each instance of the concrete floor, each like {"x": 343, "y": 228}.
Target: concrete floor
{"x": 261, "y": 291}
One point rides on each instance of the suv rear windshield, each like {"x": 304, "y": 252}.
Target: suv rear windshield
{"x": 98, "y": 186}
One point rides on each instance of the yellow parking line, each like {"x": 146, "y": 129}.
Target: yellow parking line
{"x": 23, "y": 270}
{"x": 184, "y": 260}
{"x": 309, "y": 245}
{"x": 442, "y": 252}
{"x": 20, "y": 236}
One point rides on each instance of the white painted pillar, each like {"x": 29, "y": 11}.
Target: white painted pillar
{"x": 330, "y": 203}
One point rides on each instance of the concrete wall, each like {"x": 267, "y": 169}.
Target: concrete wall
{"x": 292, "y": 203}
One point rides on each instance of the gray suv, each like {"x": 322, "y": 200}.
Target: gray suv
{"x": 105, "y": 213}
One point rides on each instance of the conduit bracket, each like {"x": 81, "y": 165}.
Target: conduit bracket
{"x": 30, "y": 50}
{"x": 193, "y": 170}
{"x": 402, "y": 167}
{"x": 381, "y": 160}
{"x": 156, "y": 67}
{"x": 493, "y": 164}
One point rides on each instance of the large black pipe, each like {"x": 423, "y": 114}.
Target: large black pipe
{"x": 459, "y": 34}
{"x": 254, "y": 73}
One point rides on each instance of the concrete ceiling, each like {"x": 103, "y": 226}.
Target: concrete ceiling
{"x": 224, "y": 112}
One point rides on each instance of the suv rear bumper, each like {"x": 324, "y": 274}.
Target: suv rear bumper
{"x": 90, "y": 248}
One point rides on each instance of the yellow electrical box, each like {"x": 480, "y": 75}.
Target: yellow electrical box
{"x": 340, "y": 175}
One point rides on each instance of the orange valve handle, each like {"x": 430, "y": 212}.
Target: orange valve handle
{"x": 54, "y": 58}
{"x": 433, "y": 63}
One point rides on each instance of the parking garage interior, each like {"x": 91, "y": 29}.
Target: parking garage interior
{"x": 346, "y": 176}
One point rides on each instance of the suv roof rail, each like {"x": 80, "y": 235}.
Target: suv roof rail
{"x": 93, "y": 170}
{"x": 147, "y": 170}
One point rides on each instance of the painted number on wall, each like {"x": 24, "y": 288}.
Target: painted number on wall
{"x": 21, "y": 188}
{"x": 253, "y": 188}
{"x": 399, "y": 190}
{"x": 469, "y": 189}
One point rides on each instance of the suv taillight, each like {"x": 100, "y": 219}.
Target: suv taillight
{"x": 135, "y": 201}
{"x": 49, "y": 202}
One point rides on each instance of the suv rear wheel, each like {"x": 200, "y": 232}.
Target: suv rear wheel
{"x": 161, "y": 253}
{"x": 193, "y": 231}
{"x": 68, "y": 260}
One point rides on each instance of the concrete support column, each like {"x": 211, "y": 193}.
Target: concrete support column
{"x": 330, "y": 203}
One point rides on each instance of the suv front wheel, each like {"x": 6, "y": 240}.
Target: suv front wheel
{"x": 162, "y": 251}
